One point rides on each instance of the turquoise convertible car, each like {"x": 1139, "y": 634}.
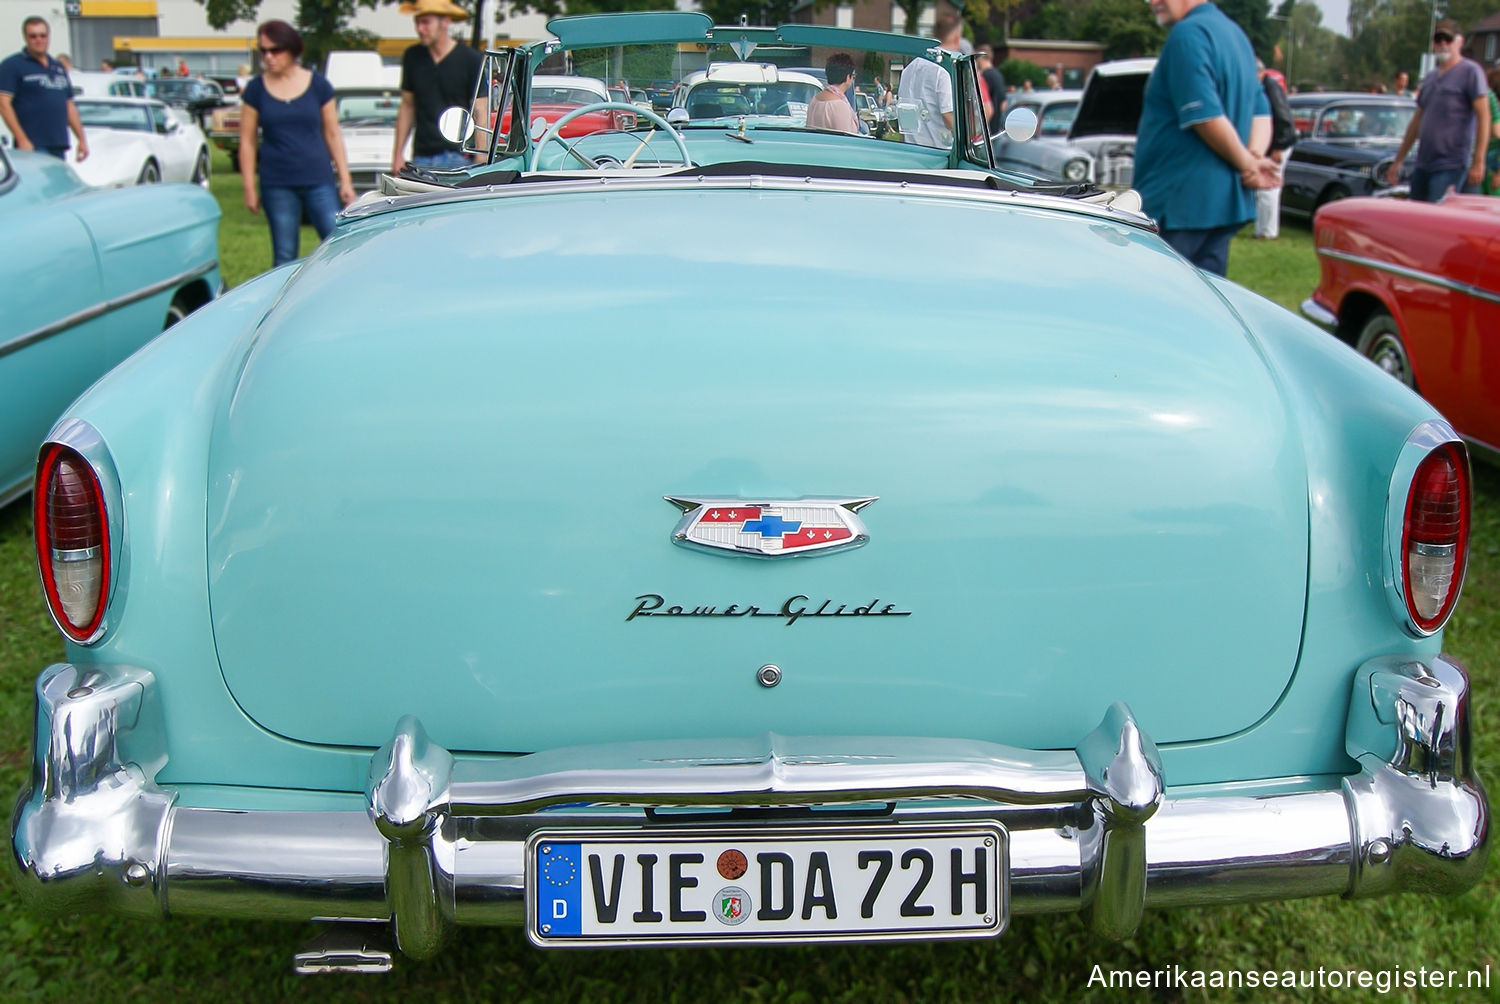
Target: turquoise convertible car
{"x": 459, "y": 575}
{"x": 90, "y": 277}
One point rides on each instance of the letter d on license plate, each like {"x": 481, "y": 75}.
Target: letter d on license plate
{"x": 845, "y": 883}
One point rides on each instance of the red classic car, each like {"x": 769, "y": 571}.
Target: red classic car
{"x": 1415, "y": 287}
{"x": 552, "y": 97}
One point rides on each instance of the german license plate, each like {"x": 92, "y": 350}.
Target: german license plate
{"x": 848, "y": 883}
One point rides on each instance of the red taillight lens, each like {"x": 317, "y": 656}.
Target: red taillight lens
{"x": 1435, "y": 538}
{"x": 72, "y": 540}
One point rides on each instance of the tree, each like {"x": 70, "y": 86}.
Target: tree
{"x": 221, "y": 13}
{"x": 728, "y": 11}
{"x": 1126, "y": 27}
{"x": 1058, "y": 19}
{"x": 324, "y": 25}
{"x": 556, "y": 8}
{"x": 1311, "y": 54}
{"x": 1386, "y": 35}
{"x": 1251, "y": 16}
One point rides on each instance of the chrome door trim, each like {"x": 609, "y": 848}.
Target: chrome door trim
{"x": 100, "y": 309}
{"x": 1468, "y": 289}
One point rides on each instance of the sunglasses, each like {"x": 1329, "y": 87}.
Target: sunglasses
{"x": 1442, "y": 37}
{"x": 271, "y": 50}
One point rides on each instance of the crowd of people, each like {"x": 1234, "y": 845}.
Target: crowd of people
{"x": 1211, "y": 143}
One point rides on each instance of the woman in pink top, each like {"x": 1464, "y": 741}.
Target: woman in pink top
{"x": 830, "y": 107}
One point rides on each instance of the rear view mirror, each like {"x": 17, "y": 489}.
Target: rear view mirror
{"x": 677, "y": 116}
{"x": 456, "y": 125}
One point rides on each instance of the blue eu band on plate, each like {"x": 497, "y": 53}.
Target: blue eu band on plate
{"x": 856, "y": 882}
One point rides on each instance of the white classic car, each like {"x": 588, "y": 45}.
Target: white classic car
{"x": 752, "y": 89}
{"x": 368, "y": 96}
{"x": 138, "y": 141}
{"x": 1107, "y": 115}
{"x": 135, "y": 141}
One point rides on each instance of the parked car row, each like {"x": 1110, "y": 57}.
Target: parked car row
{"x": 1085, "y": 136}
{"x": 135, "y": 141}
{"x": 1346, "y": 142}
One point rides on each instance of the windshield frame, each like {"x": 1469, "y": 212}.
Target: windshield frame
{"x": 685, "y": 28}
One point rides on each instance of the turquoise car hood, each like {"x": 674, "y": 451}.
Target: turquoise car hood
{"x": 438, "y": 485}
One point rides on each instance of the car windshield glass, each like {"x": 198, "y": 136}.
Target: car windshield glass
{"x": 183, "y": 90}
{"x": 1364, "y": 121}
{"x": 108, "y": 115}
{"x": 563, "y": 95}
{"x": 782, "y": 98}
{"x": 1057, "y": 117}
{"x": 368, "y": 109}
{"x": 766, "y": 84}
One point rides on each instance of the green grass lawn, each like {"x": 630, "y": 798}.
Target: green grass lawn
{"x": 1039, "y": 958}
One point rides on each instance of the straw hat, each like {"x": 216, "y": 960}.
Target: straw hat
{"x": 447, "y": 8}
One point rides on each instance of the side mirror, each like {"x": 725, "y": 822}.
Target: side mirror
{"x": 677, "y": 116}
{"x": 1020, "y": 124}
{"x": 538, "y": 128}
{"x": 456, "y": 125}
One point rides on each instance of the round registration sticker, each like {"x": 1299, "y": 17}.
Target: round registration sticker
{"x": 731, "y": 905}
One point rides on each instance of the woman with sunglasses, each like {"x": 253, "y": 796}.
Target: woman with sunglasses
{"x": 301, "y": 148}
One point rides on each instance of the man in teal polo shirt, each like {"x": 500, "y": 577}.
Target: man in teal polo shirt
{"x": 1205, "y": 127}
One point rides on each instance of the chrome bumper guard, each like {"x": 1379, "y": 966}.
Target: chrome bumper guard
{"x": 442, "y": 841}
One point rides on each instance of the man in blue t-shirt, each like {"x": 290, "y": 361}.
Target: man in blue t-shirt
{"x": 1452, "y": 123}
{"x": 1205, "y": 127}
{"x": 36, "y": 97}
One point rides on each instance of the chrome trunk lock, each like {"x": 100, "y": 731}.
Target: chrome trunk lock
{"x": 768, "y": 675}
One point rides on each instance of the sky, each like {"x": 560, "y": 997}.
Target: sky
{"x": 1335, "y": 14}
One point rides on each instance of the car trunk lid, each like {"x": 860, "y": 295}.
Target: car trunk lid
{"x": 439, "y": 488}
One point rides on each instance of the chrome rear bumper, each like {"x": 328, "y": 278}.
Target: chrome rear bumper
{"x": 442, "y": 842}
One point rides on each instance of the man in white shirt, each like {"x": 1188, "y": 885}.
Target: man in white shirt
{"x": 928, "y": 86}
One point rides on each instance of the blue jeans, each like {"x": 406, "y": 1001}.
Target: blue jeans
{"x": 1430, "y": 186}
{"x": 284, "y": 206}
{"x": 1208, "y": 249}
{"x": 448, "y": 160}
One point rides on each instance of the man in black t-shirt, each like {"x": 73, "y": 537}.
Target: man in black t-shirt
{"x": 436, "y": 74}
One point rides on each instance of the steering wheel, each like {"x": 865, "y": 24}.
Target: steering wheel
{"x": 555, "y": 132}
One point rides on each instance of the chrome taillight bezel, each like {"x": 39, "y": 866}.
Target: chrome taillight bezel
{"x": 82, "y": 440}
{"x": 1424, "y": 440}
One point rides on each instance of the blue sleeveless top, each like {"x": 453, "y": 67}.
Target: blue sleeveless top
{"x": 292, "y": 149}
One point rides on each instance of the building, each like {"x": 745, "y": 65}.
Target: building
{"x": 1482, "y": 41}
{"x": 159, "y": 33}
{"x": 1071, "y": 61}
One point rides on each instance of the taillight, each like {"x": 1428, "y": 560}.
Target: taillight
{"x": 1435, "y": 537}
{"x": 72, "y": 541}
